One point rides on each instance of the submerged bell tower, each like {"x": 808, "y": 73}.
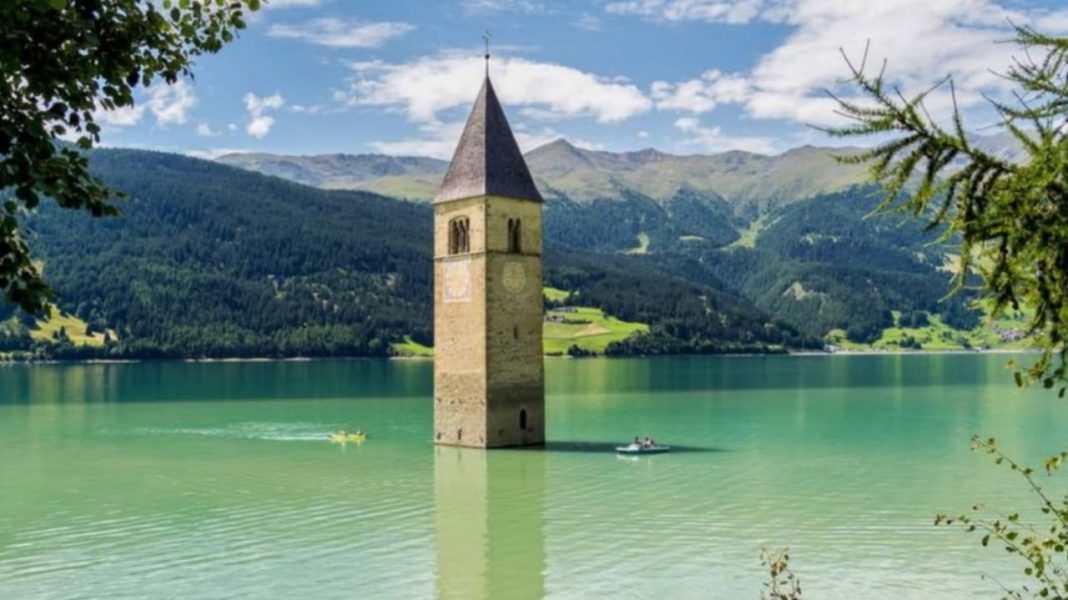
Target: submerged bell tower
{"x": 489, "y": 378}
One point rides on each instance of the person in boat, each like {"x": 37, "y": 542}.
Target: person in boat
{"x": 646, "y": 443}
{"x": 636, "y": 442}
{"x": 652, "y": 443}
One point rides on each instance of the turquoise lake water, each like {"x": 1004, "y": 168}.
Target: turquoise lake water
{"x": 215, "y": 480}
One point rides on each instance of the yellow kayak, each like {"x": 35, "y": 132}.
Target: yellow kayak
{"x": 348, "y": 437}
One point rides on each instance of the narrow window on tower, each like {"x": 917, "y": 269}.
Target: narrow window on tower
{"x": 514, "y": 236}
{"x": 459, "y": 236}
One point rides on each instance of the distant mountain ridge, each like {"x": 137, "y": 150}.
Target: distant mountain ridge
{"x": 563, "y": 170}
{"x": 407, "y": 177}
{"x": 745, "y": 180}
{"x": 750, "y": 183}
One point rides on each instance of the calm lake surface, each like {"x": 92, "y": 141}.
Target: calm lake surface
{"x": 182, "y": 480}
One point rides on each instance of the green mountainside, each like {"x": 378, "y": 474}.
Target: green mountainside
{"x": 607, "y": 202}
{"x": 728, "y": 253}
{"x": 208, "y": 260}
{"x": 213, "y": 261}
{"x": 828, "y": 264}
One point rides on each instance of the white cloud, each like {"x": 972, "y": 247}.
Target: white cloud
{"x": 213, "y": 153}
{"x": 255, "y": 105}
{"x": 701, "y": 95}
{"x": 722, "y": 11}
{"x": 426, "y": 88}
{"x": 486, "y": 6}
{"x": 921, "y": 40}
{"x": 423, "y": 88}
{"x": 290, "y": 3}
{"x": 259, "y": 127}
{"x": 311, "y": 109}
{"x": 712, "y": 139}
{"x": 205, "y": 130}
{"x": 260, "y": 124}
{"x": 439, "y": 140}
{"x": 339, "y": 33}
{"x": 124, "y": 116}
{"x": 169, "y": 104}
{"x": 643, "y": 134}
{"x": 583, "y": 144}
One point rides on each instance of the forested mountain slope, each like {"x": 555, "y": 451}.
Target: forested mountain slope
{"x": 210, "y": 260}
{"x": 213, "y": 261}
{"x": 828, "y": 263}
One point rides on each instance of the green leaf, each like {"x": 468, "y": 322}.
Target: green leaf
{"x": 129, "y": 42}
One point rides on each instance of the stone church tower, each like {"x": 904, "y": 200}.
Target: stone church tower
{"x": 489, "y": 379}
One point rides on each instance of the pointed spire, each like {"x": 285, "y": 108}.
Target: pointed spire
{"x": 487, "y": 161}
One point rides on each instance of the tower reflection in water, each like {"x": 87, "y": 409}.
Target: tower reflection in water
{"x": 488, "y": 523}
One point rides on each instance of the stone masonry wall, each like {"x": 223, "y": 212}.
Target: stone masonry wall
{"x": 488, "y": 365}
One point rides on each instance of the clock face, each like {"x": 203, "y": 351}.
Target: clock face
{"x": 515, "y": 277}
{"x": 457, "y": 281}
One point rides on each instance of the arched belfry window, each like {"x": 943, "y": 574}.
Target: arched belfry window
{"x": 459, "y": 235}
{"x": 515, "y": 236}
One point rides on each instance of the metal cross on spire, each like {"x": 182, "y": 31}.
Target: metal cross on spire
{"x": 486, "y": 38}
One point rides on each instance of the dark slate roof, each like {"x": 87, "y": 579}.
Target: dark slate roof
{"x": 487, "y": 161}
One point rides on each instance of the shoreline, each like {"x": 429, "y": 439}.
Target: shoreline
{"x": 304, "y": 359}
{"x": 886, "y": 352}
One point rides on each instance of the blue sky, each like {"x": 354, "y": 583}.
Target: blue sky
{"x": 683, "y": 76}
